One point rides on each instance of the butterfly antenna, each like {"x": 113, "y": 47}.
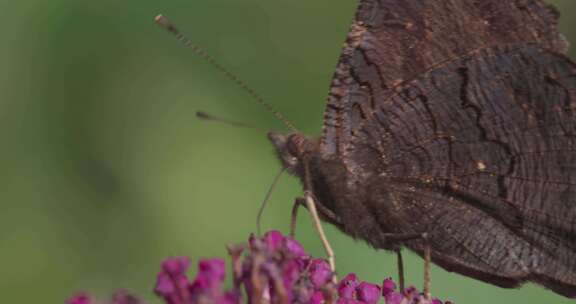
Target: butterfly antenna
{"x": 209, "y": 117}
{"x": 169, "y": 26}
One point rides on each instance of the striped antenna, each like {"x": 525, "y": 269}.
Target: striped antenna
{"x": 210, "y": 117}
{"x": 169, "y": 26}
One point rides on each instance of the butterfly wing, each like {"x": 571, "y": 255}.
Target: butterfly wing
{"x": 392, "y": 41}
{"x": 481, "y": 154}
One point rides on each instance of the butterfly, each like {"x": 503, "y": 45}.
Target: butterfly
{"x": 456, "y": 120}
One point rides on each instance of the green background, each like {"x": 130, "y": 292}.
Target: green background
{"x": 106, "y": 171}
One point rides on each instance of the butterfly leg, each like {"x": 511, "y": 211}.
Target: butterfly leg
{"x": 298, "y": 202}
{"x": 400, "y": 268}
{"x": 301, "y": 202}
{"x": 427, "y": 260}
{"x": 399, "y": 237}
{"x": 311, "y": 205}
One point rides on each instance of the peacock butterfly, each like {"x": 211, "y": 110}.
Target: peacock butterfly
{"x": 457, "y": 119}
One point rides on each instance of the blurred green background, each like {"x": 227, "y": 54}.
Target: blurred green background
{"x": 106, "y": 171}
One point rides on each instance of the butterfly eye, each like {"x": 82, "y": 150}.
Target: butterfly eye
{"x": 294, "y": 145}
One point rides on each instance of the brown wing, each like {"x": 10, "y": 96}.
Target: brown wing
{"x": 481, "y": 153}
{"x": 392, "y": 41}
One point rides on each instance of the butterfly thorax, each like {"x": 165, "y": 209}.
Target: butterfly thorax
{"x": 338, "y": 198}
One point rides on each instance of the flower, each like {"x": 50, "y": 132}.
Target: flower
{"x": 368, "y": 293}
{"x": 347, "y": 286}
{"x": 388, "y": 286}
{"x": 120, "y": 297}
{"x": 270, "y": 269}
{"x": 123, "y": 297}
{"x": 172, "y": 282}
{"x": 320, "y": 273}
{"x": 80, "y": 298}
{"x": 410, "y": 295}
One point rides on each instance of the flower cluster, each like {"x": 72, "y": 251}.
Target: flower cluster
{"x": 270, "y": 269}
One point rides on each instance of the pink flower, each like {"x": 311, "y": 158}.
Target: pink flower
{"x": 273, "y": 268}
{"x": 80, "y": 298}
{"x": 368, "y": 293}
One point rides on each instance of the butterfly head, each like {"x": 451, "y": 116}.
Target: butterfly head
{"x": 291, "y": 149}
